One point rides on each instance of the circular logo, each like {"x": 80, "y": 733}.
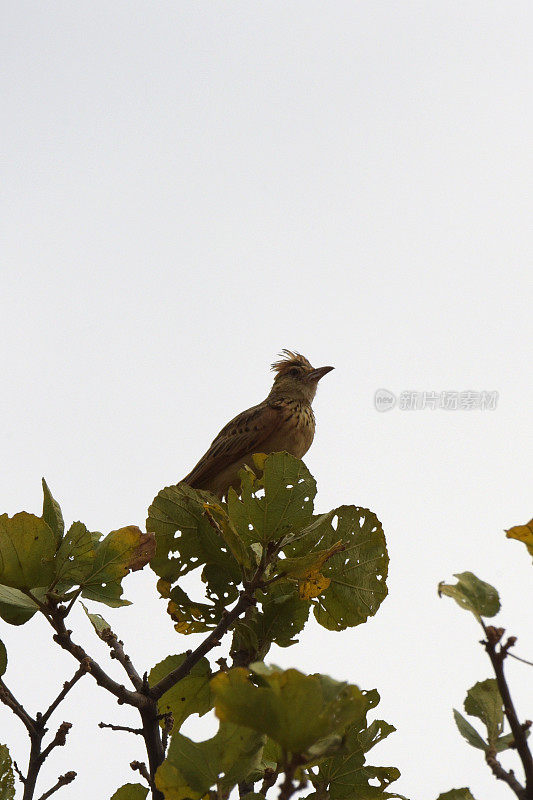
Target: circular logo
{"x": 384, "y": 400}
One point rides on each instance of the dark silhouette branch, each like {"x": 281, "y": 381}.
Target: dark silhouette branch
{"x": 497, "y": 656}
{"x": 125, "y": 728}
{"x": 63, "y": 780}
{"x": 117, "y": 652}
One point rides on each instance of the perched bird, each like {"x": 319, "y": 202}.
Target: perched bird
{"x": 284, "y": 421}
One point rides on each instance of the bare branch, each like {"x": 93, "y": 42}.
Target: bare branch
{"x": 67, "y": 686}
{"x": 497, "y": 657}
{"x": 63, "y": 780}
{"x": 503, "y": 775}
{"x": 59, "y": 740}
{"x": 141, "y": 768}
{"x": 8, "y": 698}
{"x": 117, "y": 651}
{"x": 138, "y": 731}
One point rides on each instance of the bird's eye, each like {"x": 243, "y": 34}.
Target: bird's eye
{"x": 294, "y": 372}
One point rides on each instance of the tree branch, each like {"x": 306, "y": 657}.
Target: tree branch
{"x": 503, "y": 775}
{"x": 9, "y": 699}
{"x": 59, "y": 740}
{"x": 125, "y": 728}
{"x": 63, "y": 780}
{"x": 117, "y": 651}
{"x": 245, "y": 600}
{"x": 497, "y": 657}
{"x": 67, "y": 686}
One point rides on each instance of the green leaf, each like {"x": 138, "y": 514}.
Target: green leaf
{"x": 282, "y": 616}
{"x": 52, "y": 513}
{"x": 191, "y": 695}
{"x": 357, "y": 575}
{"x": 3, "y": 658}
{"x": 456, "y": 794}
{"x": 131, "y": 791}
{"x": 192, "y": 768}
{"x": 224, "y": 526}
{"x": 278, "y": 502}
{"x": 472, "y": 594}
{"x": 120, "y": 552}
{"x": 7, "y": 779}
{"x": 99, "y": 624}
{"x": 16, "y": 608}
{"x": 345, "y": 775}
{"x": 76, "y": 554}
{"x": 484, "y": 701}
{"x": 185, "y": 541}
{"x": 27, "y": 548}
{"x": 295, "y": 710}
{"x": 468, "y": 732}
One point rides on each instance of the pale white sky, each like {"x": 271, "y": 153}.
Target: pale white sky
{"x": 189, "y": 187}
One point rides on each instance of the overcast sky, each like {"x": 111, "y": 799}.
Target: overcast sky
{"x": 187, "y": 188}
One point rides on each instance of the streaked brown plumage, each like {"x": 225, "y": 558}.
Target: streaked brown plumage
{"x": 284, "y": 421}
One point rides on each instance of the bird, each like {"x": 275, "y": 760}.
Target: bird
{"x": 284, "y": 421}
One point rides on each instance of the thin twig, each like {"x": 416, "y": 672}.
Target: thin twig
{"x": 19, "y": 773}
{"x": 245, "y": 600}
{"x": 63, "y": 780}
{"x": 503, "y": 775}
{"x": 138, "y": 731}
{"x": 67, "y": 686}
{"x": 497, "y": 657}
{"x": 269, "y": 779}
{"x": 117, "y": 651}
{"x": 8, "y": 698}
{"x": 59, "y": 740}
{"x": 523, "y": 660}
{"x": 140, "y": 767}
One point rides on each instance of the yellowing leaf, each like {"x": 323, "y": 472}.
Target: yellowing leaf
{"x": 27, "y": 547}
{"x": 524, "y": 533}
{"x": 313, "y": 586}
{"x": 295, "y": 710}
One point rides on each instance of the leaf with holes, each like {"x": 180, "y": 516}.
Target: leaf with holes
{"x": 281, "y": 617}
{"x": 76, "y": 554}
{"x": 7, "y": 778}
{"x": 294, "y": 709}
{"x": 192, "y": 768}
{"x": 277, "y": 502}
{"x": 185, "y": 541}
{"x": 356, "y": 574}
{"x": 345, "y": 774}
{"x": 120, "y": 552}
{"x": 191, "y": 695}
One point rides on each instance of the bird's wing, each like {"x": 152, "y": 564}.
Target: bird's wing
{"x": 241, "y": 436}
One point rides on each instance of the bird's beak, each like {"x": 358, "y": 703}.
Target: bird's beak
{"x": 318, "y": 373}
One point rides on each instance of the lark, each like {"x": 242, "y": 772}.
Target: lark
{"x": 283, "y": 421}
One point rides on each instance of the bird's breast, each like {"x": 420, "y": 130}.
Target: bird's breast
{"x": 296, "y": 430}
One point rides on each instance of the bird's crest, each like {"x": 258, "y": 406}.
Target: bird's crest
{"x": 290, "y": 359}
